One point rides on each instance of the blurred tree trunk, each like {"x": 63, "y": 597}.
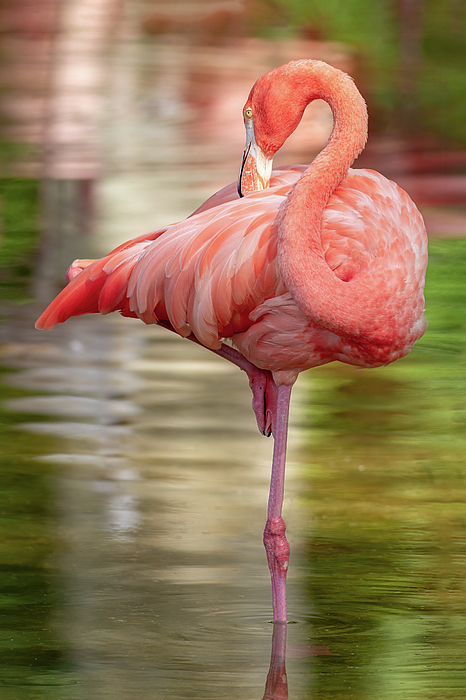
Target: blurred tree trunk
{"x": 27, "y": 31}
{"x": 71, "y": 159}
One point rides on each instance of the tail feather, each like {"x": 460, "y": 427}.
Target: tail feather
{"x": 99, "y": 288}
{"x": 81, "y": 296}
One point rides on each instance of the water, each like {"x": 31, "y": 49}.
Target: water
{"x": 133, "y": 498}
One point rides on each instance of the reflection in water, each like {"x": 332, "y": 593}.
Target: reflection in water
{"x": 276, "y": 686}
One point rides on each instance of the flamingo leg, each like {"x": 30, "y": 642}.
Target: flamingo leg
{"x": 275, "y": 542}
{"x": 271, "y": 404}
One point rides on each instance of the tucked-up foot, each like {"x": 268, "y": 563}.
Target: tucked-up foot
{"x": 264, "y": 399}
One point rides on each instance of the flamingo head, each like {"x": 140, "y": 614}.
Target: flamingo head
{"x": 272, "y": 112}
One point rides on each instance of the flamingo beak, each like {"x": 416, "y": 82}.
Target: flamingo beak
{"x": 256, "y": 167}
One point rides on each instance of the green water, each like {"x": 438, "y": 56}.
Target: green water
{"x": 386, "y": 498}
{"x": 34, "y": 662}
{"x": 104, "y": 594}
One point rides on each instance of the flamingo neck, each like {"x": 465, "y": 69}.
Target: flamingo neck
{"x": 325, "y": 299}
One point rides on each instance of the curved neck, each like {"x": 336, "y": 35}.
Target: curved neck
{"x": 349, "y": 135}
{"x": 320, "y": 294}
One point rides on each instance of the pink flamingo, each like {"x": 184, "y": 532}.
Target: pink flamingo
{"x": 314, "y": 264}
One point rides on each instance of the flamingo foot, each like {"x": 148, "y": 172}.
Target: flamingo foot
{"x": 278, "y": 556}
{"x": 264, "y": 399}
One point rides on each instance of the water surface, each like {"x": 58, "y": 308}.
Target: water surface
{"x": 134, "y": 487}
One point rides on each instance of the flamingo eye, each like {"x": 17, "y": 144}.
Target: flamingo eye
{"x": 248, "y": 113}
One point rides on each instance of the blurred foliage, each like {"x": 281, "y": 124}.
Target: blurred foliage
{"x": 442, "y": 82}
{"x": 367, "y": 25}
{"x": 385, "y": 503}
{"x": 372, "y": 28}
{"x": 19, "y": 235}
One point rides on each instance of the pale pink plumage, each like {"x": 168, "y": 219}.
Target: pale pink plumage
{"x": 326, "y": 264}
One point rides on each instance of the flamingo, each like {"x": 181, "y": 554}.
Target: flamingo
{"x": 300, "y": 267}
